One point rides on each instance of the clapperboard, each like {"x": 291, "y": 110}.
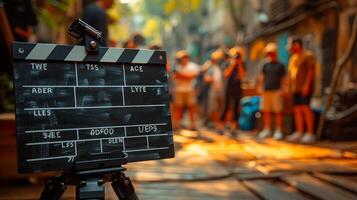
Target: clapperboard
{"x": 89, "y": 111}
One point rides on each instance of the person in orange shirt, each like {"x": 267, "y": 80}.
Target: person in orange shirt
{"x": 302, "y": 67}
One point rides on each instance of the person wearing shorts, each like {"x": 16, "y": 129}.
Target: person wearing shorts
{"x": 302, "y": 66}
{"x": 185, "y": 99}
{"x": 214, "y": 78}
{"x": 271, "y": 78}
{"x": 184, "y": 95}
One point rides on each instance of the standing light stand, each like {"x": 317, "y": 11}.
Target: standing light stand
{"x": 89, "y": 183}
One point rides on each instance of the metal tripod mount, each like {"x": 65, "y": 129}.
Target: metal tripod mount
{"x": 85, "y": 35}
{"x": 90, "y": 184}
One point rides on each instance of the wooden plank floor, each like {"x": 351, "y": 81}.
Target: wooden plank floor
{"x": 273, "y": 191}
{"x": 341, "y": 181}
{"x": 221, "y": 168}
{"x": 294, "y": 187}
{"x": 209, "y": 190}
{"x": 306, "y": 165}
{"x": 318, "y": 188}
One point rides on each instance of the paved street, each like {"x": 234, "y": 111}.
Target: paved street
{"x": 211, "y": 166}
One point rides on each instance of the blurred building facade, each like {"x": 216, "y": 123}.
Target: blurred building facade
{"x": 201, "y": 31}
{"x": 218, "y": 27}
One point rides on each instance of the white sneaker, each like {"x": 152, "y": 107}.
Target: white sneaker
{"x": 278, "y": 135}
{"x": 308, "y": 138}
{"x": 264, "y": 134}
{"x": 295, "y": 137}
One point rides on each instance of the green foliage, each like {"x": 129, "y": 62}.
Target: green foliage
{"x": 165, "y": 8}
{"x": 185, "y": 7}
{"x": 47, "y": 18}
{"x": 125, "y": 10}
{"x": 52, "y": 19}
{"x": 6, "y": 94}
{"x": 155, "y": 7}
{"x": 61, "y": 5}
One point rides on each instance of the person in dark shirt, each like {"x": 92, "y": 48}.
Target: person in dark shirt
{"x": 234, "y": 73}
{"x": 271, "y": 78}
{"x": 22, "y": 18}
{"x": 95, "y": 15}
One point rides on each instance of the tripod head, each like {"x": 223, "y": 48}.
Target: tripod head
{"x": 85, "y": 35}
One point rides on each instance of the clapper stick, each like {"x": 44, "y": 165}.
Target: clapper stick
{"x": 87, "y": 110}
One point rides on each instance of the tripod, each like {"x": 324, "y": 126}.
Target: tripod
{"x": 90, "y": 185}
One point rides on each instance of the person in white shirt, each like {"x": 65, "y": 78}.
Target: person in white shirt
{"x": 214, "y": 77}
{"x": 184, "y": 77}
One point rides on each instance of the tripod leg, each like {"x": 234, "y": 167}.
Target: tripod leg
{"x": 123, "y": 187}
{"x": 54, "y": 189}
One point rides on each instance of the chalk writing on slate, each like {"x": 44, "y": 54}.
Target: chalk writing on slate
{"x": 80, "y": 111}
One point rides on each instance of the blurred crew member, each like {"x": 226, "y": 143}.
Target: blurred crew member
{"x": 271, "y": 79}
{"x": 22, "y": 18}
{"x": 234, "y": 73}
{"x": 135, "y": 42}
{"x": 184, "y": 75}
{"x": 95, "y": 15}
{"x": 203, "y": 91}
{"x": 214, "y": 78}
{"x": 302, "y": 66}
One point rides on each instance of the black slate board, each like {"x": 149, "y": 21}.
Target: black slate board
{"x": 79, "y": 111}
